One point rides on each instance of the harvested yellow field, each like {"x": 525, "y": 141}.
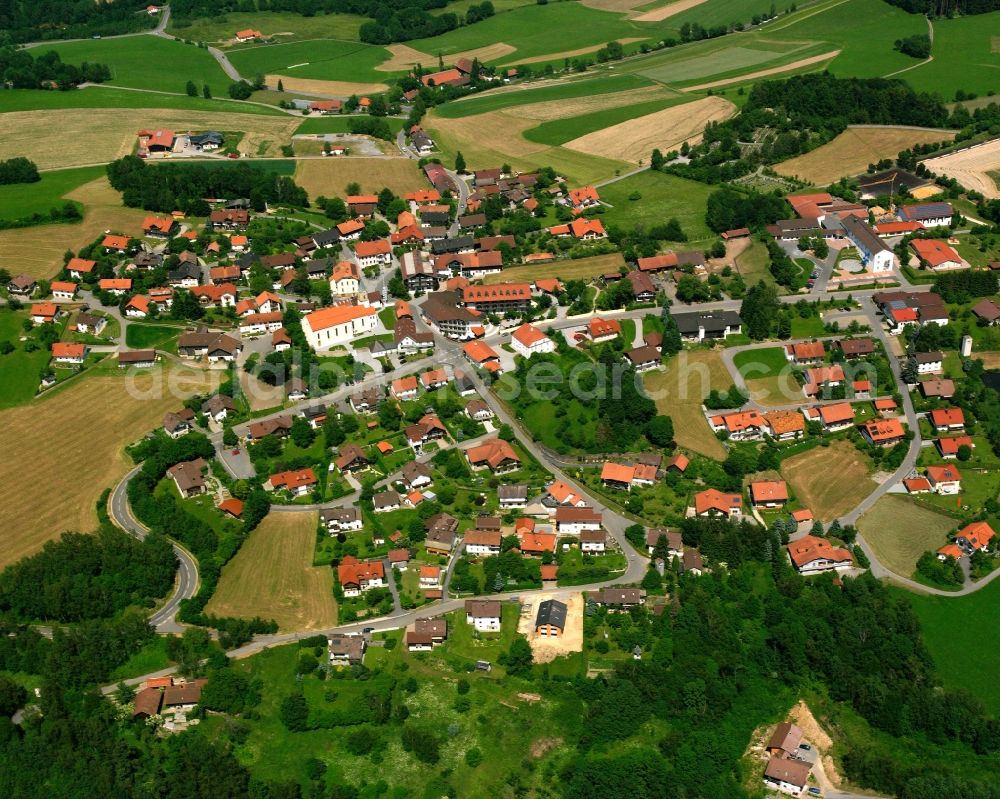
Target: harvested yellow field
{"x": 763, "y": 73}
{"x": 404, "y": 57}
{"x": 93, "y": 138}
{"x": 576, "y": 269}
{"x": 62, "y": 451}
{"x": 38, "y": 251}
{"x": 854, "y": 149}
{"x": 272, "y": 576}
{"x": 830, "y": 481}
{"x": 330, "y": 177}
{"x": 324, "y": 87}
{"x": 678, "y": 391}
{"x": 634, "y": 139}
{"x": 971, "y": 167}
{"x": 667, "y": 11}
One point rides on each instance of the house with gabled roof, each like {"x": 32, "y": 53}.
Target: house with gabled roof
{"x": 711, "y": 502}
{"x": 812, "y": 555}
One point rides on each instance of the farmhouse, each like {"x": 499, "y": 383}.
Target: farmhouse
{"x": 338, "y": 324}
{"x": 786, "y": 775}
{"x": 784, "y": 740}
{"x": 215, "y": 346}
{"x": 373, "y": 253}
{"x": 617, "y": 598}
{"x": 812, "y": 555}
{"x": 512, "y": 497}
{"x": 481, "y": 354}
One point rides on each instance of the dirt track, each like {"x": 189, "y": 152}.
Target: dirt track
{"x": 970, "y": 167}
{"x": 634, "y": 139}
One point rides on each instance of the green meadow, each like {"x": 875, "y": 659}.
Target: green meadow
{"x": 20, "y": 371}
{"x": 560, "y": 131}
{"x": 110, "y": 97}
{"x": 317, "y": 59}
{"x": 284, "y": 25}
{"x": 661, "y": 197}
{"x": 339, "y": 124}
{"x": 148, "y": 62}
{"x": 21, "y": 200}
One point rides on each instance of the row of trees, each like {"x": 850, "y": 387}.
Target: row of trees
{"x": 20, "y": 70}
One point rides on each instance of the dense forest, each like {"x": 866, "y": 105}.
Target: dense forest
{"x": 25, "y": 21}
{"x": 168, "y": 187}
{"x": 946, "y": 8}
{"x": 390, "y": 20}
{"x": 20, "y": 70}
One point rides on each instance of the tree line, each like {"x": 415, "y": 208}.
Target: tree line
{"x": 24, "y": 21}
{"x": 170, "y": 187}
{"x": 20, "y": 70}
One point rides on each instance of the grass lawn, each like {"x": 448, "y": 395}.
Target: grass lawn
{"x": 111, "y": 97}
{"x": 20, "y": 371}
{"x": 21, "y": 200}
{"x": 661, "y": 197}
{"x": 145, "y": 336}
{"x": 754, "y": 264}
{"x": 272, "y": 576}
{"x": 829, "y": 481}
{"x": 767, "y": 362}
{"x": 152, "y": 657}
{"x": 810, "y": 327}
{"x": 220, "y": 28}
{"x": 338, "y": 124}
{"x": 978, "y": 486}
{"x": 318, "y": 59}
{"x": 148, "y": 62}
{"x": 678, "y": 391}
{"x": 900, "y": 530}
{"x": 956, "y": 631}
{"x": 544, "y": 92}
{"x": 768, "y": 376}
{"x": 575, "y": 269}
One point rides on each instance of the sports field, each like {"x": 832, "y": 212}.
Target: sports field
{"x": 661, "y": 197}
{"x": 38, "y": 251}
{"x": 329, "y": 177}
{"x": 576, "y": 269}
{"x": 62, "y": 451}
{"x": 899, "y": 531}
{"x": 272, "y": 576}
{"x": 853, "y": 150}
{"x": 20, "y": 200}
{"x": 148, "y": 62}
{"x": 635, "y": 139}
{"x": 960, "y": 633}
{"x": 830, "y": 481}
{"x": 678, "y": 391}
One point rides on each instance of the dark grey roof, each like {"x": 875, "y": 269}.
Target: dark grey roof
{"x": 553, "y": 612}
{"x": 862, "y": 235}
{"x": 716, "y": 321}
{"x": 928, "y": 357}
{"x": 184, "y": 271}
{"x": 453, "y": 245}
{"x": 208, "y": 137}
{"x": 925, "y": 211}
{"x": 331, "y": 236}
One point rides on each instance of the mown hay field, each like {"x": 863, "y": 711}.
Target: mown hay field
{"x": 678, "y": 392}
{"x": 272, "y": 576}
{"x": 66, "y": 138}
{"x": 62, "y": 451}
{"x": 976, "y": 168}
{"x": 830, "y": 481}
{"x": 38, "y": 251}
{"x": 899, "y": 531}
{"x": 576, "y": 269}
{"x": 329, "y": 177}
{"x": 635, "y": 139}
{"x": 852, "y": 151}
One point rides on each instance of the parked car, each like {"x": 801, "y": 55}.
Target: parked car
{"x": 805, "y": 747}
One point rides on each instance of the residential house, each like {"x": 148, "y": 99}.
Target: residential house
{"x": 944, "y": 479}
{"x": 619, "y": 599}
{"x": 856, "y": 347}
{"x": 278, "y": 426}
{"x": 482, "y": 542}
{"x": 416, "y": 475}
{"x": 812, "y": 555}
{"x": 988, "y": 311}
{"x": 642, "y": 286}
{"x": 550, "y": 621}
{"x": 512, "y": 497}
{"x": 79, "y": 268}
{"x": 404, "y": 388}
{"x": 178, "y": 424}
{"x": 643, "y": 358}
{"x": 928, "y": 362}
{"x": 357, "y": 576}
{"x": 68, "y": 353}
{"x": 937, "y": 256}
{"x": 441, "y": 529}
{"x": 675, "y": 544}
{"x": 214, "y": 346}
{"x": 218, "y": 407}
{"x": 573, "y": 521}
{"x": 698, "y": 325}
{"x": 740, "y": 425}
{"x": 975, "y": 536}
{"x": 430, "y": 576}
{"x": 297, "y": 482}
{"x": 387, "y": 501}
{"x": 947, "y": 420}
{"x": 601, "y": 330}
{"x": 373, "y": 253}
{"x": 483, "y": 614}
{"x": 948, "y": 447}
{"x": 189, "y": 476}
{"x": 593, "y": 541}
{"x": 341, "y": 520}
{"x": 787, "y": 775}
{"x": 768, "y": 493}
{"x": 717, "y": 503}
{"x": 805, "y": 352}
{"x": 883, "y": 432}
{"x": 63, "y": 289}
{"x": 528, "y": 340}
{"x": 478, "y": 410}
{"x": 346, "y": 650}
{"x": 424, "y": 634}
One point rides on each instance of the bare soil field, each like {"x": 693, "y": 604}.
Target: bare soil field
{"x": 38, "y": 251}
{"x": 52, "y": 483}
{"x": 667, "y": 11}
{"x": 329, "y": 177}
{"x": 404, "y": 57}
{"x": 545, "y": 650}
{"x": 90, "y": 138}
{"x": 855, "y": 148}
{"x": 577, "y": 269}
{"x": 763, "y": 73}
{"x": 272, "y": 576}
{"x": 971, "y": 167}
{"x": 899, "y": 531}
{"x": 829, "y": 481}
{"x": 635, "y": 139}
{"x": 679, "y": 390}
{"x": 323, "y": 88}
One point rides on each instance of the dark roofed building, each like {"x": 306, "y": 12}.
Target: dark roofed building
{"x": 550, "y": 622}
{"x": 698, "y": 325}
